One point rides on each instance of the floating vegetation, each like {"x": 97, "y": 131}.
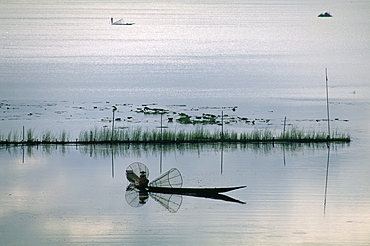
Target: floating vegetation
{"x": 184, "y": 119}
{"x": 197, "y": 135}
{"x": 148, "y": 110}
{"x": 143, "y": 114}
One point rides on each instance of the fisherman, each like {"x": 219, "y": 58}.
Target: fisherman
{"x": 111, "y": 20}
{"x": 143, "y": 181}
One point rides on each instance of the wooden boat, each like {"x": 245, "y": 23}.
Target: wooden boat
{"x": 161, "y": 194}
{"x": 213, "y": 193}
{"x": 167, "y": 188}
{"x": 188, "y": 191}
{"x": 120, "y": 22}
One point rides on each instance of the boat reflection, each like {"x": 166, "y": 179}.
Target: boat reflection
{"x": 167, "y": 189}
{"x": 137, "y": 198}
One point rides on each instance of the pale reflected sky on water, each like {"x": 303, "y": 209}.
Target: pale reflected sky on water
{"x": 68, "y": 50}
{"x": 73, "y": 197}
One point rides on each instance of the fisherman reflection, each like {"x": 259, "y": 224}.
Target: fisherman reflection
{"x": 143, "y": 183}
{"x": 143, "y": 196}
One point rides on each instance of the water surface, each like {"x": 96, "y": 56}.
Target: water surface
{"x": 77, "y": 196}
{"x": 63, "y": 66}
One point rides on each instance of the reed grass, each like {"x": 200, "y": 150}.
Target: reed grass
{"x": 47, "y": 137}
{"x": 31, "y": 135}
{"x": 199, "y": 135}
{"x": 12, "y": 137}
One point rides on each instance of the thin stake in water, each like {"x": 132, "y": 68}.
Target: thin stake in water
{"x": 114, "y": 110}
{"x": 327, "y": 101}
{"x": 161, "y": 127}
{"x": 284, "y": 124}
{"x": 222, "y": 125}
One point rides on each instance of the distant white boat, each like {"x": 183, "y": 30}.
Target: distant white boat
{"x": 120, "y": 22}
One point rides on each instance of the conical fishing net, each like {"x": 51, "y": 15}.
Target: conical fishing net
{"x": 120, "y": 21}
{"x": 170, "y": 201}
{"x": 133, "y": 171}
{"x": 172, "y": 179}
{"x": 135, "y": 198}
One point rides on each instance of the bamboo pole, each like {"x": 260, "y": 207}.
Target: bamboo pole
{"x": 222, "y": 125}
{"x": 327, "y": 101}
{"x": 114, "y": 110}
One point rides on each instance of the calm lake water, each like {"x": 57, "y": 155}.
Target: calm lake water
{"x": 295, "y": 195}
{"x": 63, "y": 66}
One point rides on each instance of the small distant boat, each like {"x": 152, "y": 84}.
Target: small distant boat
{"x": 120, "y": 22}
{"x": 326, "y": 14}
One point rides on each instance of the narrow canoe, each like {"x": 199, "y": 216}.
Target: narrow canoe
{"x": 191, "y": 190}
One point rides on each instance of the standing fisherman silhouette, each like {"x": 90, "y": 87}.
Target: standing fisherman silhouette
{"x": 143, "y": 181}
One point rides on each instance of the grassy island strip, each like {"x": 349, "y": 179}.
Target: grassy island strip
{"x": 198, "y": 135}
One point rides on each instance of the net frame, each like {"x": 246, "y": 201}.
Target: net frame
{"x": 137, "y": 168}
{"x": 172, "y": 179}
